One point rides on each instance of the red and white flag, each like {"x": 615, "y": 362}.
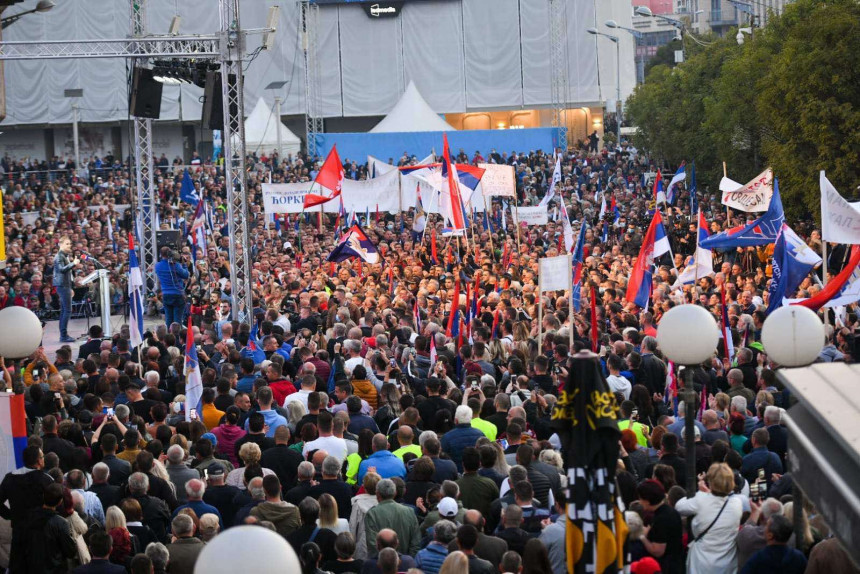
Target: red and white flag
{"x": 330, "y": 176}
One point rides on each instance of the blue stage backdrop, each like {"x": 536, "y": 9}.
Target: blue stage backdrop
{"x": 357, "y": 146}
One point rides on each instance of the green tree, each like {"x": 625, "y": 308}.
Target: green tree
{"x": 787, "y": 98}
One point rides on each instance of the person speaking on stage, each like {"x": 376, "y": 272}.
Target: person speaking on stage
{"x": 63, "y": 267}
{"x": 171, "y": 277}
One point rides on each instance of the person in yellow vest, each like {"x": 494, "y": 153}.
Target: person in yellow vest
{"x": 628, "y": 421}
{"x": 404, "y": 438}
{"x": 365, "y": 449}
{"x": 489, "y": 429}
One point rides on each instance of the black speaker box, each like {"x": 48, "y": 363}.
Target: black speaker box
{"x": 213, "y": 101}
{"x": 145, "y": 101}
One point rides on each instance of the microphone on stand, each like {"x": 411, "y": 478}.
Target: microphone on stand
{"x": 87, "y": 257}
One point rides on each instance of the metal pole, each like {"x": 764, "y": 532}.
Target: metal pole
{"x": 618, "y": 90}
{"x": 75, "y": 137}
{"x": 278, "y": 126}
{"x": 689, "y": 431}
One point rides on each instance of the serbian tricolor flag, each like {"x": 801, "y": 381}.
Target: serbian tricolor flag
{"x": 659, "y": 194}
{"x": 654, "y": 244}
{"x": 13, "y": 422}
{"x": 355, "y": 244}
{"x": 452, "y": 202}
{"x": 330, "y": 176}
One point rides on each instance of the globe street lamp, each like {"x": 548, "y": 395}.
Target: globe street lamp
{"x": 688, "y": 336}
{"x": 681, "y": 27}
{"x": 614, "y": 39}
{"x": 792, "y": 336}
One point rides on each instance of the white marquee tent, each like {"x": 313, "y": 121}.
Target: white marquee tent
{"x": 261, "y": 133}
{"x": 412, "y": 114}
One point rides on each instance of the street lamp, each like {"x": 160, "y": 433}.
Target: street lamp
{"x": 681, "y": 27}
{"x": 637, "y": 35}
{"x": 792, "y": 336}
{"x": 42, "y": 6}
{"x": 688, "y": 335}
{"x": 275, "y": 86}
{"x": 75, "y": 94}
{"x": 617, "y": 42}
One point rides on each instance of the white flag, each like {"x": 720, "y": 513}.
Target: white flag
{"x": 840, "y": 221}
{"x": 565, "y": 223}
{"x": 752, "y": 197}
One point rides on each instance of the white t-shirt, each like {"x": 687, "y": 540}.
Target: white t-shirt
{"x": 331, "y": 444}
{"x": 301, "y": 396}
{"x": 619, "y": 384}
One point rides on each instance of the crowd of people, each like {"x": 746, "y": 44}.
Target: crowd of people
{"x": 355, "y": 423}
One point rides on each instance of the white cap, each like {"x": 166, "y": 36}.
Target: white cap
{"x": 447, "y": 507}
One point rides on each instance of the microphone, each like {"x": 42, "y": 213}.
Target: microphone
{"x": 87, "y": 257}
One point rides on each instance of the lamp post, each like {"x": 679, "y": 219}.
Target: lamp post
{"x": 678, "y": 24}
{"x": 617, "y": 42}
{"x": 275, "y": 86}
{"x": 688, "y": 335}
{"x": 637, "y": 35}
{"x": 41, "y": 6}
{"x": 75, "y": 94}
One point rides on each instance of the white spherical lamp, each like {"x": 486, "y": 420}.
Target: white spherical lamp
{"x": 241, "y": 547}
{"x": 793, "y": 336}
{"x": 21, "y": 332}
{"x": 688, "y": 334}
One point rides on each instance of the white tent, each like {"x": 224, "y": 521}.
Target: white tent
{"x": 412, "y": 114}
{"x": 261, "y": 134}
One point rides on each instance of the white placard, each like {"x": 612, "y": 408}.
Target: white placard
{"x": 753, "y": 197}
{"x": 840, "y": 220}
{"x": 498, "y": 180}
{"x": 555, "y": 273}
{"x": 536, "y": 215}
{"x": 382, "y": 192}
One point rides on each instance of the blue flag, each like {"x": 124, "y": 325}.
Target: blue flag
{"x": 762, "y": 231}
{"x": 694, "y": 200}
{"x": 792, "y": 262}
{"x": 187, "y": 193}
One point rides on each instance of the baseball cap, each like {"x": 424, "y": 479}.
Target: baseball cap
{"x": 447, "y": 507}
{"x": 215, "y": 469}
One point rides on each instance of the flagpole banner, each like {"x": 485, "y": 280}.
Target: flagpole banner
{"x": 358, "y": 196}
{"x": 555, "y": 273}
{"x": 840, "y": 220}
{"x": 498, "y": 180}
{"x": 535, "y": 215}
{"x": 289, "y": 198}
{"x": 752, "y": 197}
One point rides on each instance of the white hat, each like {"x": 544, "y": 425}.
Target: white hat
{"x": 447, "y": 507}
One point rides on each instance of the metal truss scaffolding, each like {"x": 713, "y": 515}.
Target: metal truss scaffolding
{"x": 558, "y": 68}
{"x": 313, "y": 105}
{"x": 227, "y": 48}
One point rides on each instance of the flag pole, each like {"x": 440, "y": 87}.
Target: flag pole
{"x": 824, "y": 274}
{"x": 570, "y": 312}
{"x": 517, "y": 222}
{"x": 728, "y": 213}
{"x": 489, "y": 231}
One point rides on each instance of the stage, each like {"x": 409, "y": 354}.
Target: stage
{"x": 78, "y": 329}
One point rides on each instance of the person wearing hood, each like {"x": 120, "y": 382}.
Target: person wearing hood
{"x": 282, "y": 514}
{"x": 227, "y": 433}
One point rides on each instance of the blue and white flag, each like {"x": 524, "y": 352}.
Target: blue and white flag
{"x": 193, "y": 378}
{"x": 793, "y": 259}
{"x": 556, "y": 179}
{"x": 762, "y": 231}
{"x": 680, "y": 175}
{"x": 187, "y": 192}
{"x": 135, "y": 296}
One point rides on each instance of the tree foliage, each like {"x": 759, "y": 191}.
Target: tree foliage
{"x": 789, "y": 97}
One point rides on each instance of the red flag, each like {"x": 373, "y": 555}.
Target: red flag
{"x": 377, "y": 214}
{"x": 433, "y": 248}
{"x": 299, "y": 260}
{"x": 594, "y": 338}
{"x": 390, "y": 280}
{"x": 330, "y": 176}
{"x": 331, "y": 269}
{"x": 835, "y": 285}
{"x": 455, "y": 304}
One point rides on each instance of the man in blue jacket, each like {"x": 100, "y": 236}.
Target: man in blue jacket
{"x": 463, "y": 435}
{"x": 383, "y": 461}
{"x": 171, "y": 276}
